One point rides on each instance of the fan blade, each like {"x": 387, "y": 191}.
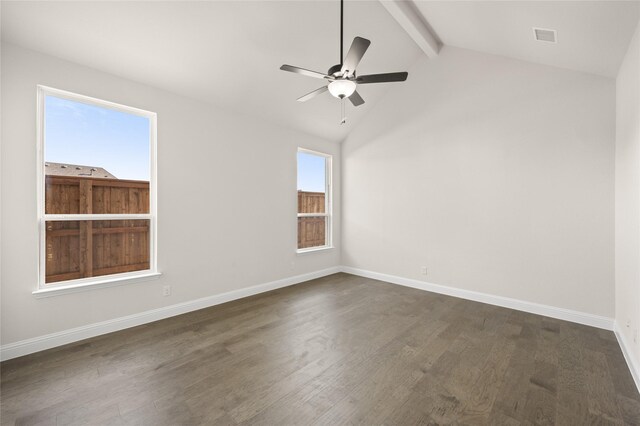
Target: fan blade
{"x": 356, "y": 99}
{"x": 313, "y": 94}
{"x": 303, "y": 71}
{"x": 382, "y": 78}
{"x": 355, "y": 54}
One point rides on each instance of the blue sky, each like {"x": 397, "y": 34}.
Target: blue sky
{"x": 89, "y": 135}
{"x": 311, "y": 171}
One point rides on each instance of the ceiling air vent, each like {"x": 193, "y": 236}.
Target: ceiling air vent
{"x": 545, "y": 35}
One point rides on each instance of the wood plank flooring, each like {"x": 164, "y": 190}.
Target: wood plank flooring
{"x": 336, "y": 350}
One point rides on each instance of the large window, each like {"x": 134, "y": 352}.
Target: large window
{"x": 96, "y": 190}
{"x": 314, "y": 200}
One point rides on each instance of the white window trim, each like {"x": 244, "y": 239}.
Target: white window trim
{"x": 72, "y": 286}
{"x": 328, "y": 200}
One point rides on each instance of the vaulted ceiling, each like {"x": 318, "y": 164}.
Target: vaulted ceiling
{"x": 593, "y": 36}
{"x": 228, "y": 53}
{"x": 224, "y": 52}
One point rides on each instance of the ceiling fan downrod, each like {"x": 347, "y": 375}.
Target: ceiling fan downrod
{"x": 341, "y": 31}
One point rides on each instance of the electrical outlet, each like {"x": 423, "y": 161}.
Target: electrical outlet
{"x": 166, "y": 290}
{"x": 423, "y": 270}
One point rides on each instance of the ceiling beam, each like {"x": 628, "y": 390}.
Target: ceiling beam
{"x": 412, "y": 21}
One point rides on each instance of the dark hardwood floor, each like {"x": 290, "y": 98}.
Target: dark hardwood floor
{"x": 337, "y": 350}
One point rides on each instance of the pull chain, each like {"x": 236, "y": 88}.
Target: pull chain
{"x": 343, "y": 118}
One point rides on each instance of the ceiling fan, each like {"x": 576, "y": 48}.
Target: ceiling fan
{"x": 342, "y": 79}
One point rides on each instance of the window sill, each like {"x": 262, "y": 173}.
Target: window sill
{"x": 314, "y": 249}
{"x": 98, "y": 282}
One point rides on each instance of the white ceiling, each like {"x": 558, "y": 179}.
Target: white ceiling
{"x": 228, "y": 52}
{"x": 593, "y": 36}
{"x": 225, "y": 53}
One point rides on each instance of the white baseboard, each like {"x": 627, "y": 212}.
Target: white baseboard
{"x": 36, "y": 344}
{"x": 25, "y": 347}
{"x": 506, "y": 302}
{"x": 625, "y": 345}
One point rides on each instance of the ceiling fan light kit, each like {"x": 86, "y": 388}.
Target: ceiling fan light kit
{"x": 341, "y": 78}
{"x": 342, "y": 88}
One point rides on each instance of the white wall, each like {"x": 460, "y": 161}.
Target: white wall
{"x": 627, "y": 240}
{"x": 212, "y": 237}
{"x": 496, "y": 174}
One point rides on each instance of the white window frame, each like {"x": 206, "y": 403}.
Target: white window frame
{"x": 80, "y": 284}
{"x": 328, "y": 201}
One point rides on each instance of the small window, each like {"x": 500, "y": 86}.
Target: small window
{"x": 97, "y": 193}
{"x": 314, "y": 200}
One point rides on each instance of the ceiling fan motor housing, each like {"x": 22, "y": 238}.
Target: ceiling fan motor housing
{"x": 336, "y": 71}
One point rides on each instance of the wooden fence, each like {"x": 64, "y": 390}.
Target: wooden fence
{"x": 88, "y": 248}
{"x": 311, "y": 202}
{"x": 311, "y": 230}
